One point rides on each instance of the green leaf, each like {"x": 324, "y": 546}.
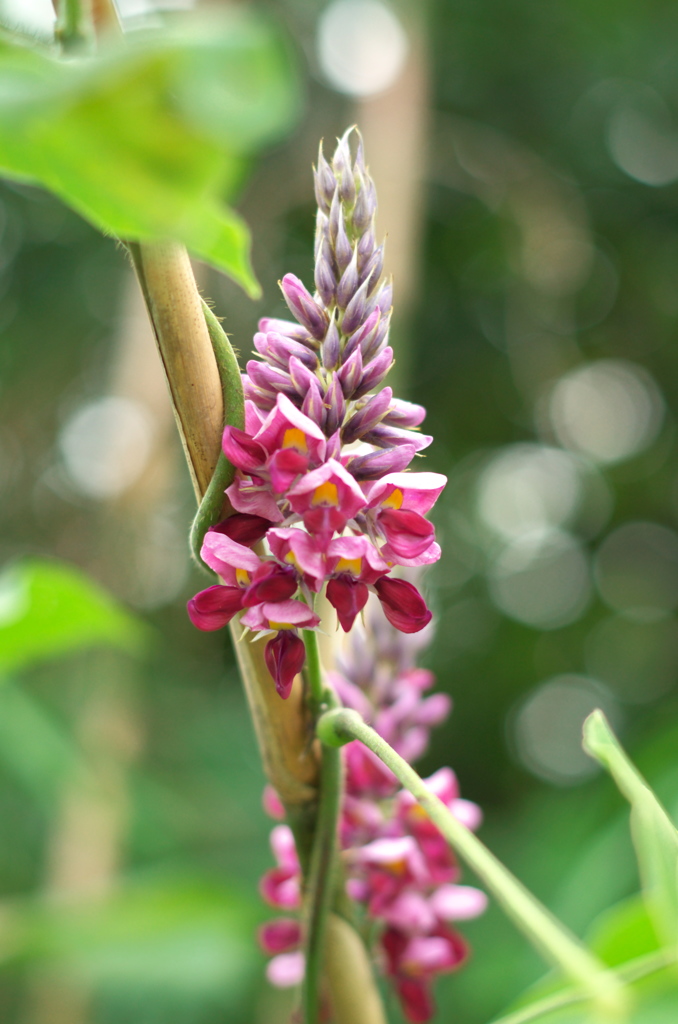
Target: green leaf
{"x": 176, "y": 936}
{"x": 48, "y": 608}
{"x": 35, "y": 748}
{"x": 654, "y": 835}
{"x": 147, "y": 140}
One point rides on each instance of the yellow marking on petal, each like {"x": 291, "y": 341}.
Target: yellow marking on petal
{"x": 417, "y": 811}
{"x": 295, "y": 438}
{"x": 281, "y": 625}
{"x": 243, "y": 577}
{"x": 394, "y": 500}
{"x": 397, "y": 867}
{"x": 353, "y": 565}
{"x": 292, "y": 559}
{"x": 326, "y": 494}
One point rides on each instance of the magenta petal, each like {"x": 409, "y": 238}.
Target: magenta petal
{"x": 408, "y": 533}
{"x": 285, "y": 466}
{"x": 349, "y": 597}
{"x": 242, "y": 450}
{"x": 215, "y": 607}
{"x": 280, "y": 936}
{"x": 403, "y": 605}
{"x": 285, "y": 656}
{"x": 278, "y": 585}
{"x": 415, "y": 997}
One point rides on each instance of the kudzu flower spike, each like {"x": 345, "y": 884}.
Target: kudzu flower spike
{"x": 324, "y": 457}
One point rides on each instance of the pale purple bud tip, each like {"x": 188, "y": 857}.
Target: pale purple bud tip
{"x": 383, "y": 297}
{"x": 365, "y": 204}
{"x": 302, "y": 378}
{"x": 351, "y": 373}
{"x": 335, "y": 406}
{"x": 341, "y": 162}
{"x": 325, "y": 182}
{"x": 348, "y": 284}
{"x": 367, "y": 417}
{"x": 324, "y": 279}
{"x": 278, "y": 349}
{"x": 343, "y": 251}
{"x": 386, "y": 437}
{"x": 312, "y": 405}
{"x": 373, "y": 268}
{"x": 269, "y": 377}
{"x": 404, "y": 414}
{"x": 360, "y": 337}
{"x": 378, "y": 464}
{"x": 303, "y": 306}
{"x": 287, "y": 328}
{"x": 330, "y": 350}
{"x": 375, "y": 372}
{"x": 376, "y": 342}
{"x": 355, "y": 310}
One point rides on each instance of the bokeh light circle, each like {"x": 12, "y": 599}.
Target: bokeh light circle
{"x": 547, "y": 727}
{"x": 362, "y": 46}
{"x": 542, "y": 581}
{"x": 636, "y": 570}
{"x": 637, "y": 660}
{"x": 610, "y": 410}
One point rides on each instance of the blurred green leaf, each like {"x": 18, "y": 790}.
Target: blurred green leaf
{"x": 48, "y": 608}
{"x": 34, "y": 748}
{"x": 180, "y": 936}
{"x": 146, "y": 140}
{"x": 654, "y": 834}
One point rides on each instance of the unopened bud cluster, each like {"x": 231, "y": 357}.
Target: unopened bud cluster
{"x": 399, "y": 868}
{"x": 321, "y": 465}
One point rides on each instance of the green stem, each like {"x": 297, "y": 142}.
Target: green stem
{"x": 318, "y": 692}
{"x": 632, "y": 971}
{"x": 320, "y": 887}
{"x": 544, "y": 931}
{"x": 74, "y": 29}
{"x": 212, "y": 504}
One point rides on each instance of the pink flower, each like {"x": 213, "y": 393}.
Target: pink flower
{"x": 286, "y": 428}
{"x": 297, "y": 548}
{"x": 281, "y": 615}
{"x": 281, "y": 885}
{"x": 327, "y": 498}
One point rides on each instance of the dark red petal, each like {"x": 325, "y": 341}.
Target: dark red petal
{"x": 244, "y": 528}
{"x": 415, "y": 997}
{"x": 408, "y": 533}
{"x": 323, "y": 520}
{"x": 280, "y": 935}
{"x": 349, "y": 597}
{"x": 277, "y": 585}
{"x": 403, "y": 605}
{"x": 215, "y": 607}
{"x": 285, "y": 656}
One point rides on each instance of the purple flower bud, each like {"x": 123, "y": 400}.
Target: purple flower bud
{"x": 375, "y": 372}
{"x": 302, "y": 378}
{"x": 263, "y": 398}
{"x": 373, "y": 268}
{"x": 269, "y": 378}
{"x": 351, "y": 373}
{"x": 355, "y": 311}
{"x": 335, "y": 406}
{"x": 343, "y": 251}
{"x": 365, "y": 204}
{"x": 330, "y": 350}
{"x": 287, "y": 328}
{"x": 366, "y": 418}
{"x": 303, "y": 306}
{"x": 277, "y": 349}
{"x": 383, "y": 298}
{"x": 387, "y": 437}
{"x": 366, "y": 247}
{"x": 349, "y": 283}
{"x": 372, "y": 346}
{"x": 341, "y": 162}
{"x": 325, "y": 182}
{"x": 336, "y": 219}
{"x": 361, "y": 336}
{"x": 378, "y": 464}
{"x": 404, "y": 414}
{"x": 333, "y": 450}
{"x": 325, "y": 281}
{"x": 312, "y": 405}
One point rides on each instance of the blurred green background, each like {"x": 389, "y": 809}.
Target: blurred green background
{"x": 526, "y": 158}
